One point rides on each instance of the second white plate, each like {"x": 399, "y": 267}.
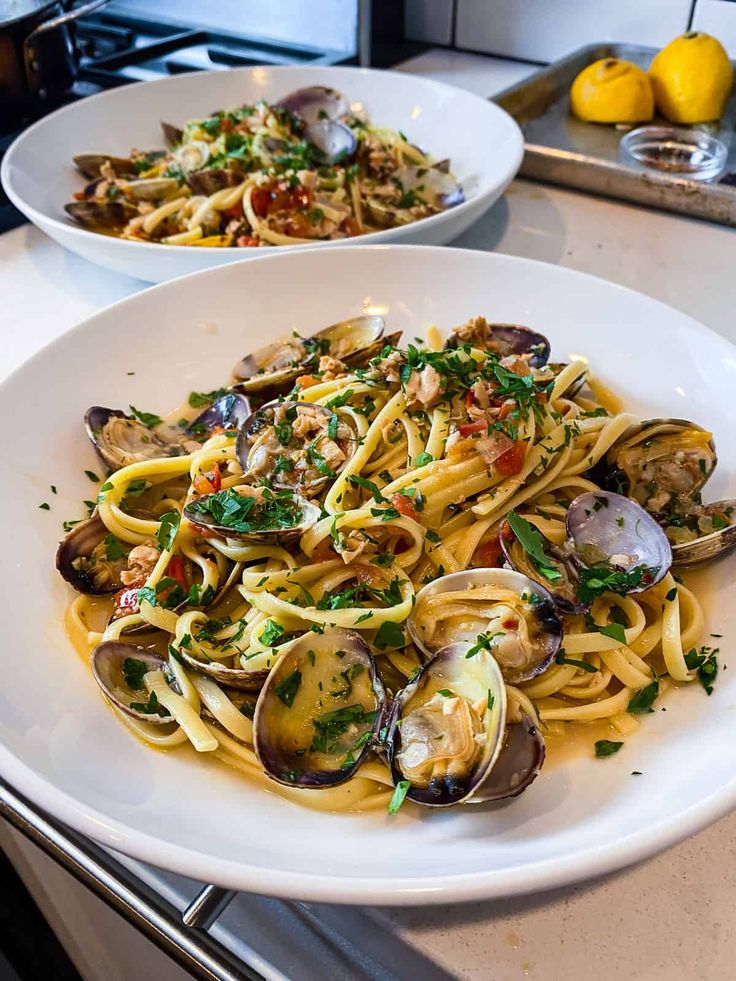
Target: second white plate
{"x": 64, "y": 749}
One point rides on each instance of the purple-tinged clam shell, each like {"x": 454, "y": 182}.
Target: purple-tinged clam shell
{"x": 229, "y": 412}
{"x": 334, "y": 140}
{"x": 516, "y": 615}
{"x": 240, "y": 679}
{"x": 101, "y": 214}
{"x": 615, "y": 532}
{"x": 518, "y": 763}
{"x": 208, "y": 181}
{"x": 503, "y": 340}
{"x": 661, "y": 463}
{"x": 90, "y": 163}
{"x": 117, "y": 667}
{"x": 275, "y": 366}
{"x": 81, "y": 559}
{"x": 259, "y": 448}
{"x": 709, "y": 544}
{"x": 315, "y": 103}
{"x": 320, "y": 710}
{"x": 447, "y": 727}
{"x": 121, "y": 439}
{"x": 173, "y": 135}
{"x": 304, "y": 513}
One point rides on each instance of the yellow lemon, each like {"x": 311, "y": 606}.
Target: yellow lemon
{"x": 612, "y": 91}
{"x": 691, "y": 79}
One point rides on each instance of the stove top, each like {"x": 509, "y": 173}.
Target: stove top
{"x": 116, "y": 49}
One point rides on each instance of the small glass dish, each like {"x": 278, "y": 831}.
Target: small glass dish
{"x": 687, "y": 153}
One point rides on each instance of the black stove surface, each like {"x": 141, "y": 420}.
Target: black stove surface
{"x": 117, "y": 50}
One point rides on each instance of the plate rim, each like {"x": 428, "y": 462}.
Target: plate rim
{"x": 144, "y": 248}
{"x": 539, "y": 875}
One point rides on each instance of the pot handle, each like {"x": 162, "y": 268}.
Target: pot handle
{"x": 49, "y": 54}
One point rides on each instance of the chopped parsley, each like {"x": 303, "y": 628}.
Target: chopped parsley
{"x": 606, "y": 747}
{"x": 271, "y": 633}
{"x": 148, "y": 419}
{"x": 167, "y": 529}
{"x": 198, "y": 400}
{"x": 136, "y": 487}
{"x": 230, "y": 510}
{"x": 423, "y": 459}
{"x": 399, "y": 796}
{"x": 643, "y": 699}
{"x": 286, "y": 690}
{"x": 331, "y": 725}
{"x": 151, "y": 707}
{"x": 389, "y": 635}
{"x": 368, "y": 485}
{"x": 597, "y": 580}
{"x": 92, "y": 476}
{"x": 133, "y": 672}
{"x": 705, "y": 662}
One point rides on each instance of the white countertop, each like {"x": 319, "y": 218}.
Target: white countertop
{"x": 672, "y": 916}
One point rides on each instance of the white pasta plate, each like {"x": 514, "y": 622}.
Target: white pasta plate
{"x": 483, "y": 143}
{"x": 62, "y": 747}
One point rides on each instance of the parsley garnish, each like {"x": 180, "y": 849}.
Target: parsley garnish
{"x": 706, "y": 663}
{"x": 597, "y": 580}
{"x": 606, "y": 747}
{"x": 423, "y": 459}
{"x": 136, "y": 487}
{"x": 168, "y": 529}
{"x": 389, "y": 635}
{"x": 232, "y": 511}
{"x": 133, "y": 671}
{"x": 643, "y": 699}
{"x": 148, "y": 419}
{"x": 368, "y": 485}
{"x": 286, "y": 690}
{"x": 92, "y": 476}
{"x": 199, "y": 399}
{"x": 399, "y": 795}
{"x": 271, "y": 633}
{"x": 531, "y": 541}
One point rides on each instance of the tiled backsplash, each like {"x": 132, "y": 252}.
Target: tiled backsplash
{"x": 543, "y": 30}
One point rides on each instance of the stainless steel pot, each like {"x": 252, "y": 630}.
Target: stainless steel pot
{"x": 38, "y": 59}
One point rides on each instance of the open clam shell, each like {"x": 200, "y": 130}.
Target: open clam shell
{"x": 315, "y": 103}
{"x": 503, "y": 611}
{"x": 273, "y": 518}
{"x": 240, "y": 679}
{"x": 661, "y": 463}
{"x": 118, "y": 669}
{"x": 615, "y": 532}
{"x": 319, "y": 711}
{"x": 518, "y": 763}
{"x": 503, "y": 340}
{"x": 121, "y": 439}
{"x": 276, "y": 366}
{"x": 81, "y": 559}
{"x": 290, "y": 444}
{"x": 721, "y": 516}
{"x": 447, "y": 727}
{"x": 90, "y": 163}
{"x": 334, "y": 140}
{"x": 101, "y": 214}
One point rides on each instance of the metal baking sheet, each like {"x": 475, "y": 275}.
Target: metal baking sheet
{"x": 562, "y": 150}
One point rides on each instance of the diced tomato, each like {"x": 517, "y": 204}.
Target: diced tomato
{"x": 403, "y": 505}
{"x": 79, "y": 196}
{"x": 506, "y": 409}
{"x": 175, "y": 569}
{"x": 469, "y": 398}
{"x": 260, "y": 199}
{"x": 306, "y": 381}
{"x": 512, "y": 461}
{"x": 246, "y": 241}
{"x": 351, "y": 226}
{"x": 226, "y": 125}
{"x": 208, "y": 483}
{"x": 235, "y": 212}
{"x": 473, "y": 427}
{"x": 489, "y": 555}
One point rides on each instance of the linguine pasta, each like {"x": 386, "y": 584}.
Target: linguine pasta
{"x": 442, "y": 445}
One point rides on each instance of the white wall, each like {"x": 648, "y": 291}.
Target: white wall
{"x": 312, "y": 23}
